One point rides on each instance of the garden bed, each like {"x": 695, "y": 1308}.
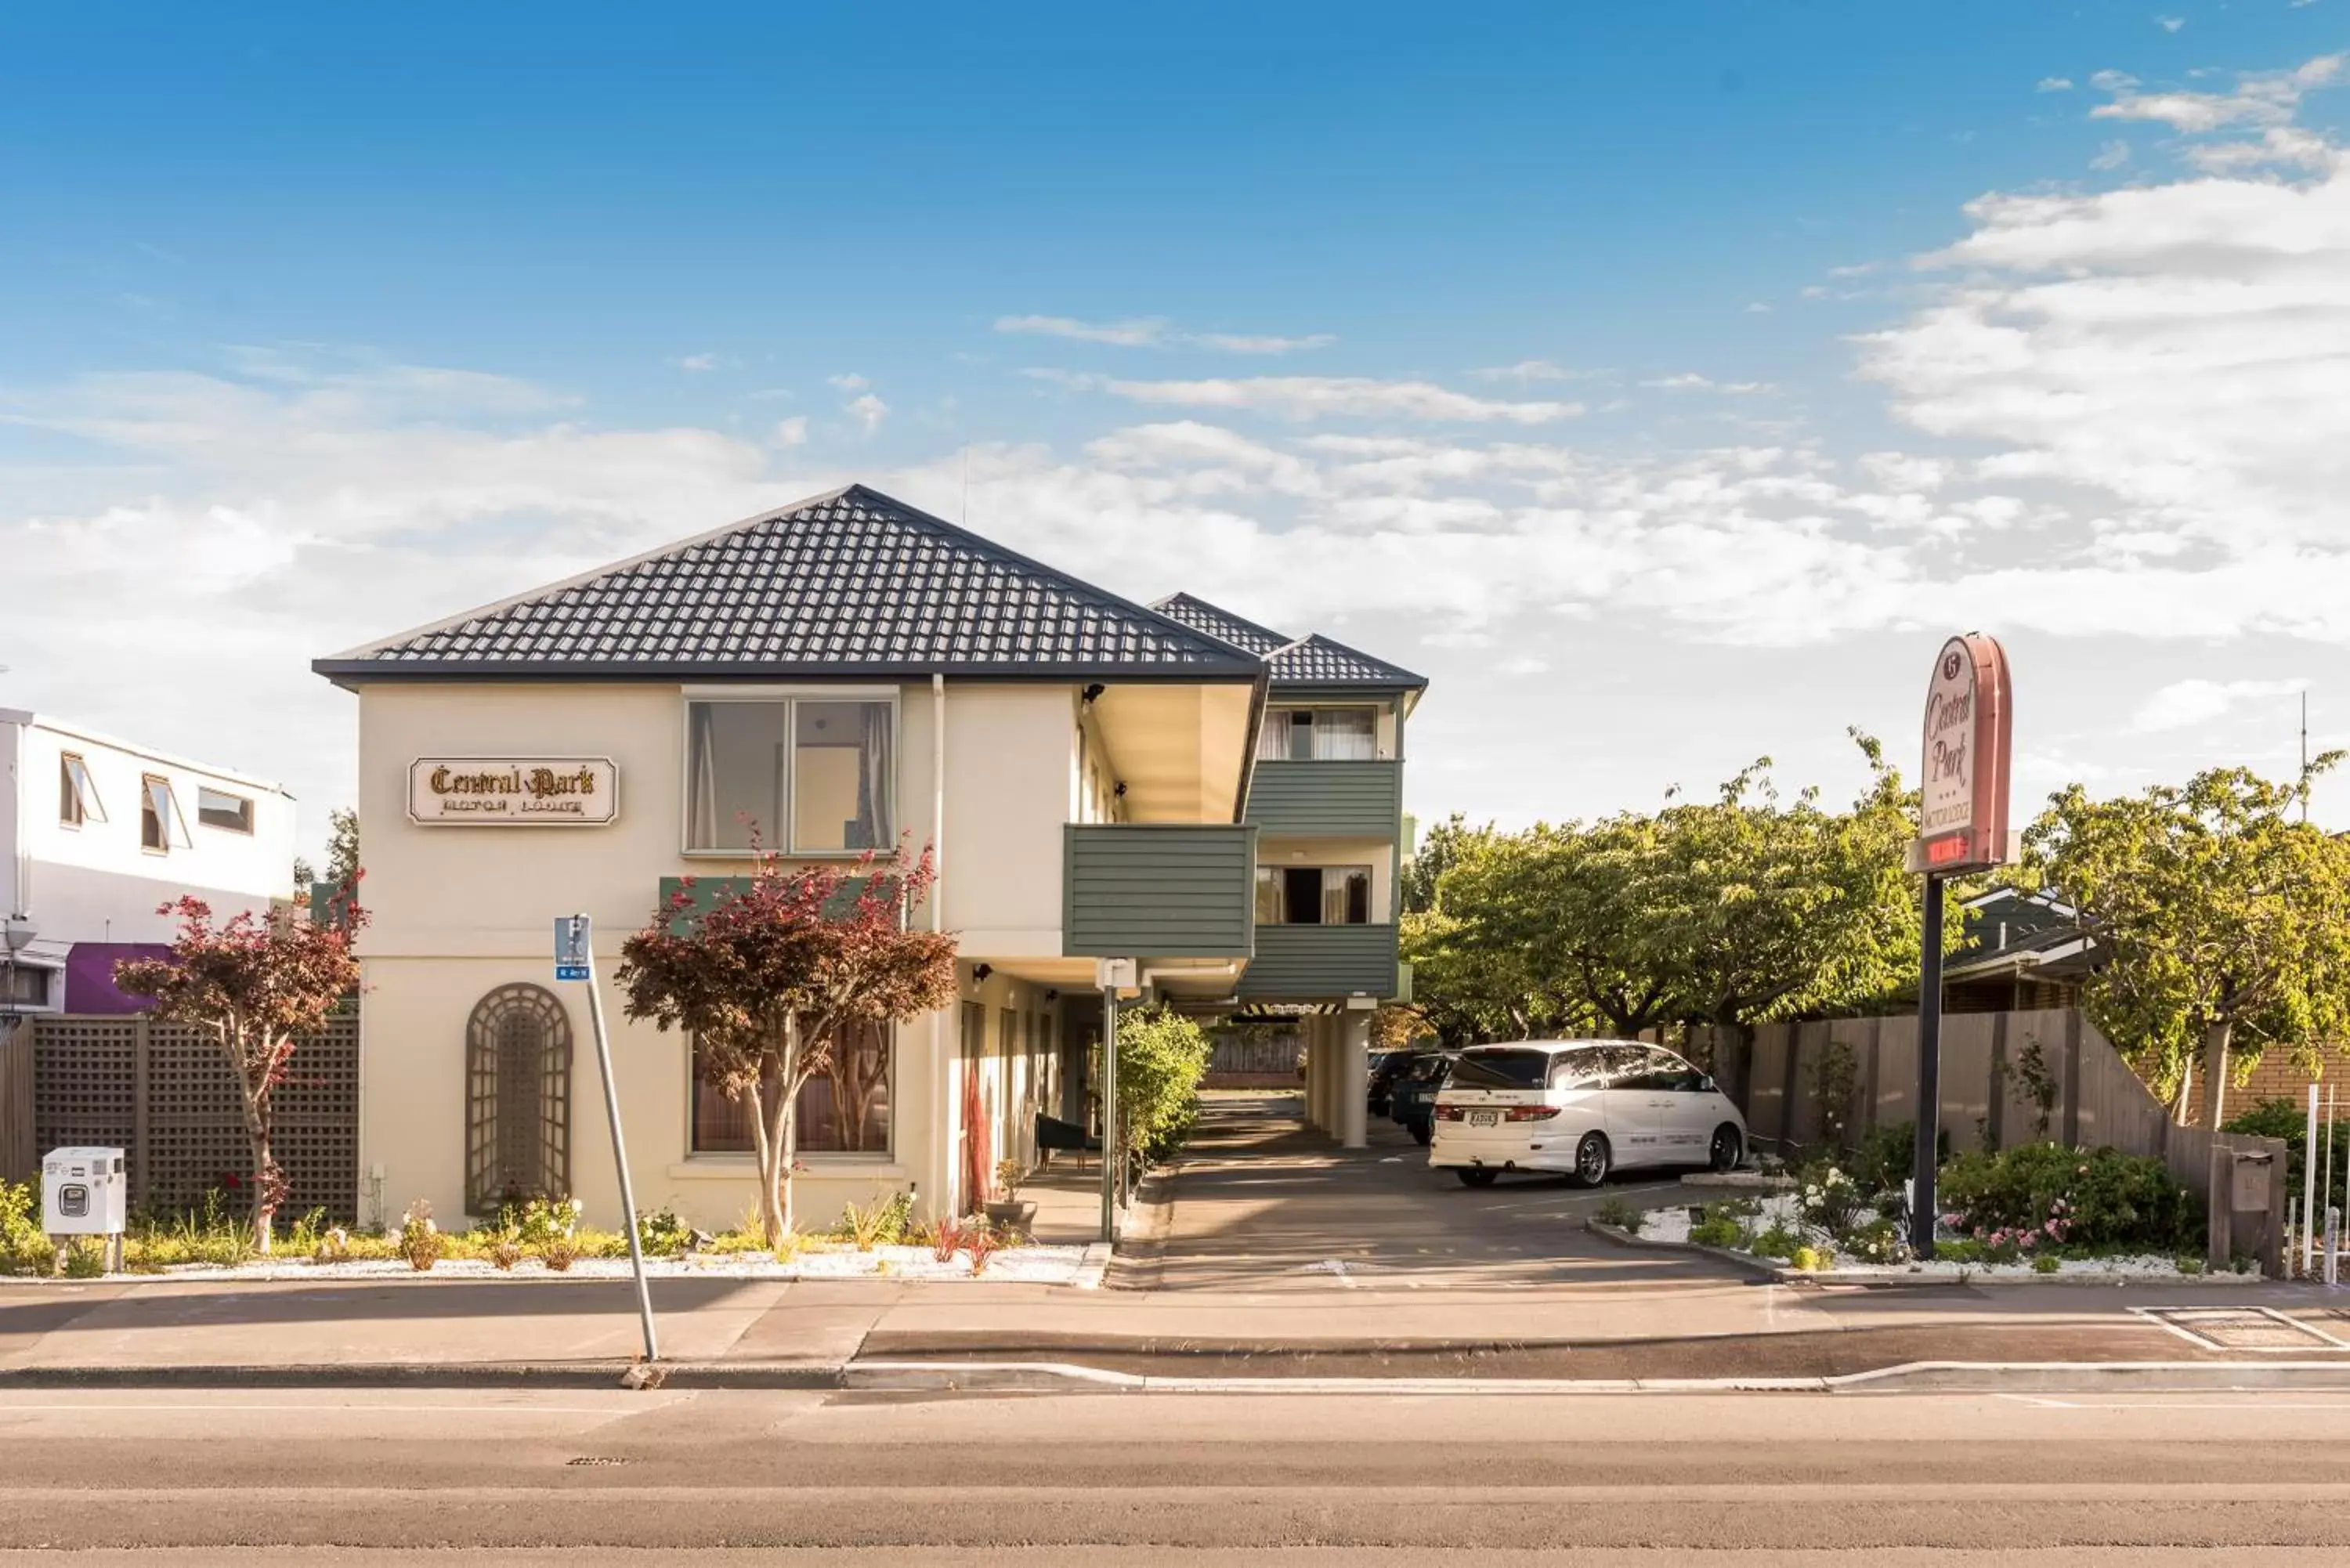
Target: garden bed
{"x": 1008, "y": 1265}
{"x": 2034, "y": 1213}
{"x": 1671, "y": 1226}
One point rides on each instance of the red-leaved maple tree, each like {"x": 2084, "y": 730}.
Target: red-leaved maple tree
{"x": 256, "y": 985}
{"x": 769, "y": 977}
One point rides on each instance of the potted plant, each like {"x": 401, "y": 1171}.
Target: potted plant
{"x": 1007, "y": 1209}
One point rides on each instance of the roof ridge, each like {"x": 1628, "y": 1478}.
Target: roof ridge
{"x": 1278, "y": 639}
{"x": 1313, "y": 638}
{"x": 582, "y": 579}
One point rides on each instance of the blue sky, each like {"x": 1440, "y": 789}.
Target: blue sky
{"x": 355, "y": 318}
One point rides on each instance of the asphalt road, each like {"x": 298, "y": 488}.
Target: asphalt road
{"x": 585, "y": 1478}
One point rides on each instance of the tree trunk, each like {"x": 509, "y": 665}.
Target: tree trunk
{"x": 788, "y": 1118}
{"x": 770, "y": 1219}
{"x": 264, "y": 1185}
{"x": 2215, "y": 1073}
{"x": 2182, "y": 1104}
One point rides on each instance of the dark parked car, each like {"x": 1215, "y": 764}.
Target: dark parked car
{"x": 1387, "y": 1068}
{"x": 1412, "y": 1100}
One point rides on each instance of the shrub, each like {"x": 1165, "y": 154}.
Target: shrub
{"x": 980, "y": 1243}
{"x": 662, "y": 1234}
{"x": 1831, "y": 1201}
{"x": 2045, "y": 1263}
{"x": 334, "y": 1246}
{"x": 2188, "y": 1263}
{"x": 1620, "y": 1213}
{"x": 559, "y": 1252}
{"x": 1810, "y": 1260}
{"x": 946, "y": 1239}
{"x": 504, "y": 1253}
{"x": 1162, "y": 1057}
{"x": 86, "y": 1258}
{"x": 1717, "y": 1226}
{"x": 2039, "y": 1194}
{"x": 881, "y": 1223}
{"x": 1877, "y": 1240}
{"x": 1778, "y": 1241}
{"x": 23, "y": 1249}
{"x": 420, "y": 1241}
{"x": 541, "y": 1220}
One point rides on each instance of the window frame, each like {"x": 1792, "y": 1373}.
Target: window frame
{"x": 249, "y": 817}
{"x": 1284, "y": 714}
{"x": 75, "y": 778}
{"x": 893, "y": 1040}
{"x": 165, "y": 820}
{"x": 788, "y": 698}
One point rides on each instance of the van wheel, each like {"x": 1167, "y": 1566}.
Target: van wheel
{"x": 1593, "y": 1159}
{"x": 1726, "y": 1151}
{"x": 1475, "y": 1174}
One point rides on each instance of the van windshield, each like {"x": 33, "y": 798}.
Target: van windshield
{"x": 1501, "y": 1070}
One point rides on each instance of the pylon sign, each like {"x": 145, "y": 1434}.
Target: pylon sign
{"x": 1964, "y": 786}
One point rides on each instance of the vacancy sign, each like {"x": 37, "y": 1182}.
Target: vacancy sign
{"x": 1962, "y": 820}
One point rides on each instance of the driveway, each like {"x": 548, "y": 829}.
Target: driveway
{"x": 1262, "y": 1203}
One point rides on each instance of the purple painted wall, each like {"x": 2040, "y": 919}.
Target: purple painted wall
{"x": 89, "y": 975}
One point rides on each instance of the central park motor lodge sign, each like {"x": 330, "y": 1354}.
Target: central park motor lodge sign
{"x": 514, "y": 792}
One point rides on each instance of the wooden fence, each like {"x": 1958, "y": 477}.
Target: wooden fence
{"x": 2006, "y": 1078}
{"x": 1254, "y": 1061}
{"x": 163, "y": 1094}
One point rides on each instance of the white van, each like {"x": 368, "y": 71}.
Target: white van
{"x": 1584, "y": 1106}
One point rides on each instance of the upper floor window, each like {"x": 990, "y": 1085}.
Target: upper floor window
{"x": 161, "y": 829}
{"x": 798, "y": 775}
{"x": 24, "y": 985}
{"x": 1312, "y": 895}
{"x": 218, "y": 808}
{"x": 76, "y": 793}
{"x": 1320, "y": 735}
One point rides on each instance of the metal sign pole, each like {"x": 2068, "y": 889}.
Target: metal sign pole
{"x": 1923, "y": 1204}
{"x": 2309, "y": 1169}
{"x": 581, "y": 936}
{"x": 1112, "y": 1159}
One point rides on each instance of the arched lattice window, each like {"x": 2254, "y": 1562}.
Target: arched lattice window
{"x": 517, "y": 1099}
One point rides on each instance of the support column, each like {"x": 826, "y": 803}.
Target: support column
{"x": 1354, "y": 1077}
{"x": 1313, "y": 1066}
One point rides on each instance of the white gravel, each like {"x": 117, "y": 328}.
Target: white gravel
{"x": 1673, "y": 1225}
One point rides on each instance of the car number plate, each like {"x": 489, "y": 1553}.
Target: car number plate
{"x": 1485, "y": 1119}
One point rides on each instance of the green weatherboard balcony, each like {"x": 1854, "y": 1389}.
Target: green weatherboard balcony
{"x": 1152, "y": 890}
{"x": 1301, "y": 964}
{"x": 1333, "y": 800}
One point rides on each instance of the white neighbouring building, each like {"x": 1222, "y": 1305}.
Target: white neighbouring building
{"x": 98, "y": 834}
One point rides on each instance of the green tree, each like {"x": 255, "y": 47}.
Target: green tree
{"x": 1757, "y": 910}
{"x": 342, "y": 847}
{"x": 768, "y": 979}
{"x": 1440, "y": 849}
{"x": 2223, "y": 923}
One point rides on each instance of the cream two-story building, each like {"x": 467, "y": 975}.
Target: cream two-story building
{"x": 840, "y": 675}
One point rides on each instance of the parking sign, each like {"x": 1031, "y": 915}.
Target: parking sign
{"x": 571, "y": 938}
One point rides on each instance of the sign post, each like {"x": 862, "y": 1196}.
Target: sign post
{"x": 1962, "y": 828}
{"x": 574, "y": 960}
{"x": 1112, "y": 975}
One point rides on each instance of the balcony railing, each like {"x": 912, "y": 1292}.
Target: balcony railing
{"x": 1157, "y": 890}
{"x": 1306, "y": 964}
{"x": 1331, "y": 800}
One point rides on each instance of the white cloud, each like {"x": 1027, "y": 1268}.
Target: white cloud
{"x": 2279, "y": 146}
{"x": 1234, "y": 343}
{"x": 1305, "y": 398}
{"x": 2184, "y": 704}
{"x": 1138, "y": 333}
{"x": 791, "y": 431}
{"x": 2259, "y": 99}
{"x": 696, "y": 362}
{"x": 2054, "y": 84}
{"x": 1690, "y": 381}
{"x": 2111, "y": 155}
{"x": 850, "y": 381}
{"x": 1155, "y": 332}
{"x": 2171, "y": 23}
{"x": 867, "y": 410}
{"x": 1757, "y": 307}
{"x": 1523, "y": 370}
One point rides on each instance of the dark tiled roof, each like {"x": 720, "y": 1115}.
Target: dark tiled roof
{"x": 1296, "y": 661}
{"x": 1318, "y": 662}
{"x": 1201, "y": 616}
{"x": 852, "y": 583}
